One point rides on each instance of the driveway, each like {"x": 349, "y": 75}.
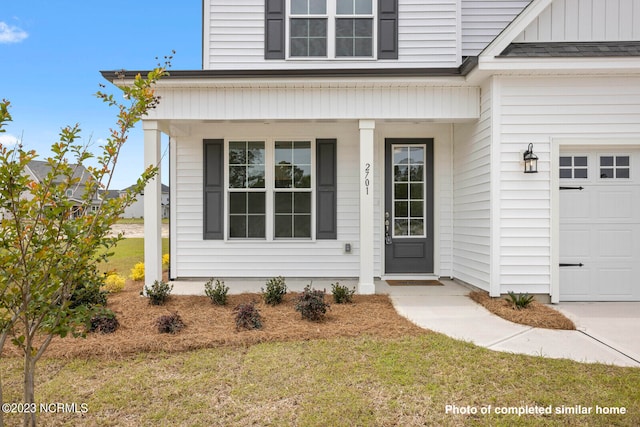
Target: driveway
{"x": 615, "y": 324}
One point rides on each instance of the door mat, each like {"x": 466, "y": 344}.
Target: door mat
{"x": 414, "y": 283}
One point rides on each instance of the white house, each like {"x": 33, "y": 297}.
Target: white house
{"x": 385, "y": 138}
{"x": 136, "y": 209}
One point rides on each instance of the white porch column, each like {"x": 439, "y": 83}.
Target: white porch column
{"x": 366, "y": 284}
{"x": 152, "y": 206}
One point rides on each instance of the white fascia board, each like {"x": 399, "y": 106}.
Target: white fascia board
{"x": 513, "y": 30}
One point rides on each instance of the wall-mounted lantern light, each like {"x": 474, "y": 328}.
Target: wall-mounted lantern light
{"x": 530, "y": 160}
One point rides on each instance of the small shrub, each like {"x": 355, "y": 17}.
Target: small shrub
{"x": 165, "y": 260}
{"x": 137, "y": 272}
{"x": 104, "y": 322}
{"x": 88, "y": 291}
{"x": 311, "y": 304}
{"x": 170, "y": 323}
{"x": 113, "y": 283}
{"x": 520, "y": 301}
{"x": 218, "y": 293}
{"x": 275, "y": 292}
{"x": 159, "y": 292}
{"x": 342, "y": 294}
{"x": 248, "y": 316}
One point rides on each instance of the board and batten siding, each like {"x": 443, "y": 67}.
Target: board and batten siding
{"x": 472, "y": 196}
{"x": 483, "y": 20}
{"x": 234, "y": 38}
{"x": 310, "y": 101}
{"x": 585, "y": 21}
{"x": 537, "y": 110}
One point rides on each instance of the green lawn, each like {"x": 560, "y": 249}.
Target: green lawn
{"x": 127, "y": 253}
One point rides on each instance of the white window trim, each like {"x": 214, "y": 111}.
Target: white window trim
{"x": 573, "y": 167}
{"x": 331, "y": 17}
{"x": 614, "y": 167}
{"x": 269, "y": 189}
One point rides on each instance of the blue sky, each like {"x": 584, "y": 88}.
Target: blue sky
{"x": 52, "y": 54}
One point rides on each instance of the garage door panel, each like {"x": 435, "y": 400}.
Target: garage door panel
{"x": 600, "y": 229}
{"x": 614, "y": 205}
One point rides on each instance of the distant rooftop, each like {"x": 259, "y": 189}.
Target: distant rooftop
{"x": 572, "y": 49}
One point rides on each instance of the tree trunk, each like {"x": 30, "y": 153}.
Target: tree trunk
{"x": 29, "y": 387}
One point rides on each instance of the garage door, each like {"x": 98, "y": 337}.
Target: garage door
{"x": 600, "y": 225}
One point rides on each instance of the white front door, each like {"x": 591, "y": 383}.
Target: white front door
{"x": 600, "y": 225}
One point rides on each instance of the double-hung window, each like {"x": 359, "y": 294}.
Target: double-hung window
{"x": 331, "y": 28}
{"x": 269, "y": 187}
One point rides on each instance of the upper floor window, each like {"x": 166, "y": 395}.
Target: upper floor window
{"x": 331, "y": 28}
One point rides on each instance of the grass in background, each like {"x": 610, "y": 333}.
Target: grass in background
{"x": 127, "y": 253}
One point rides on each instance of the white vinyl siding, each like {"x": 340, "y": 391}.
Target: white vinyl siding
{"x": 483, "y": 20}
{"x": 585, "y": 20}
{"x": 539, "y": 110}
{"x": 472, "y": 196}
{"x": 234, "y": 38}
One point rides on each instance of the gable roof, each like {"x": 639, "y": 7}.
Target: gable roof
{"x": 40, "y": 169}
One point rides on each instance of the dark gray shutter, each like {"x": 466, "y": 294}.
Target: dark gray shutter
{"x": 387, "y": 29}
{"x": 213, "y": 189}
{"x": 274, "y": 16}
{"x": 326, "y": 189}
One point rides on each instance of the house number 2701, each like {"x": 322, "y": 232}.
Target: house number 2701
{"x": 367, "y": 170}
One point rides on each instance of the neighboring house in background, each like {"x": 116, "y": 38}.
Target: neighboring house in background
{"x": 39, "y": 169}
{"x": 385, "y": 138}
{"x": 136, "y": 209}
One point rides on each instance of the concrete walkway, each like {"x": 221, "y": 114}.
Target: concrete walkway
{"x": 604, "y": 335}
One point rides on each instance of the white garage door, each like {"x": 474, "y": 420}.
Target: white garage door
{"x": 600, "y": 225}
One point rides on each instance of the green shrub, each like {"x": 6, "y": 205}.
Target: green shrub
{"x": 159, "y": 292}
{"x": 248, "y": 316}
{"x": 342, "y": 294}
{"x": 275, "y": 291}
{"x": 104, "y": 322}
{"x": 520, "y": 301}
{"x": 170, "y": 324}
{"x": 88, "y": 292}
{"x": 218, "y": 293}
{"x": 311, "y": 304}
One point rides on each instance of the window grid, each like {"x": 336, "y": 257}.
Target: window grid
{"x": 292, "y": 189}
{"x": 246, "y": 189}
{"x": 615, "y": 167}
{"x": 331, "y": 29}
{"x": 409, "y": 191}
{"x": 574, "y": 167}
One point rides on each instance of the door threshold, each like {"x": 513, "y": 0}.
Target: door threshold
{"x": 424, "y": 276}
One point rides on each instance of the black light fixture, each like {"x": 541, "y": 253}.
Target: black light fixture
{"x": 530, "y": 160}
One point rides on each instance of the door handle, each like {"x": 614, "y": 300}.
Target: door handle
{"x": 387, "y": 236}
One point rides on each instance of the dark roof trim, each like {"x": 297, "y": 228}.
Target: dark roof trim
{"x": 572, "y": 49}
{"x": 468, "y": 64}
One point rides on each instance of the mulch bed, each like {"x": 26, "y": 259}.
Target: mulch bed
{"x": 536, "y": 314}
{"x": 209, "y": 325}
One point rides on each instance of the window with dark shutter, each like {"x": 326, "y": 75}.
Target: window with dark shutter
{"x": 326, "y": 189}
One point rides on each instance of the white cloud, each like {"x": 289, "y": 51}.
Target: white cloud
{"x": 7, "y": 139}
{"x": 10, "y": 34}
